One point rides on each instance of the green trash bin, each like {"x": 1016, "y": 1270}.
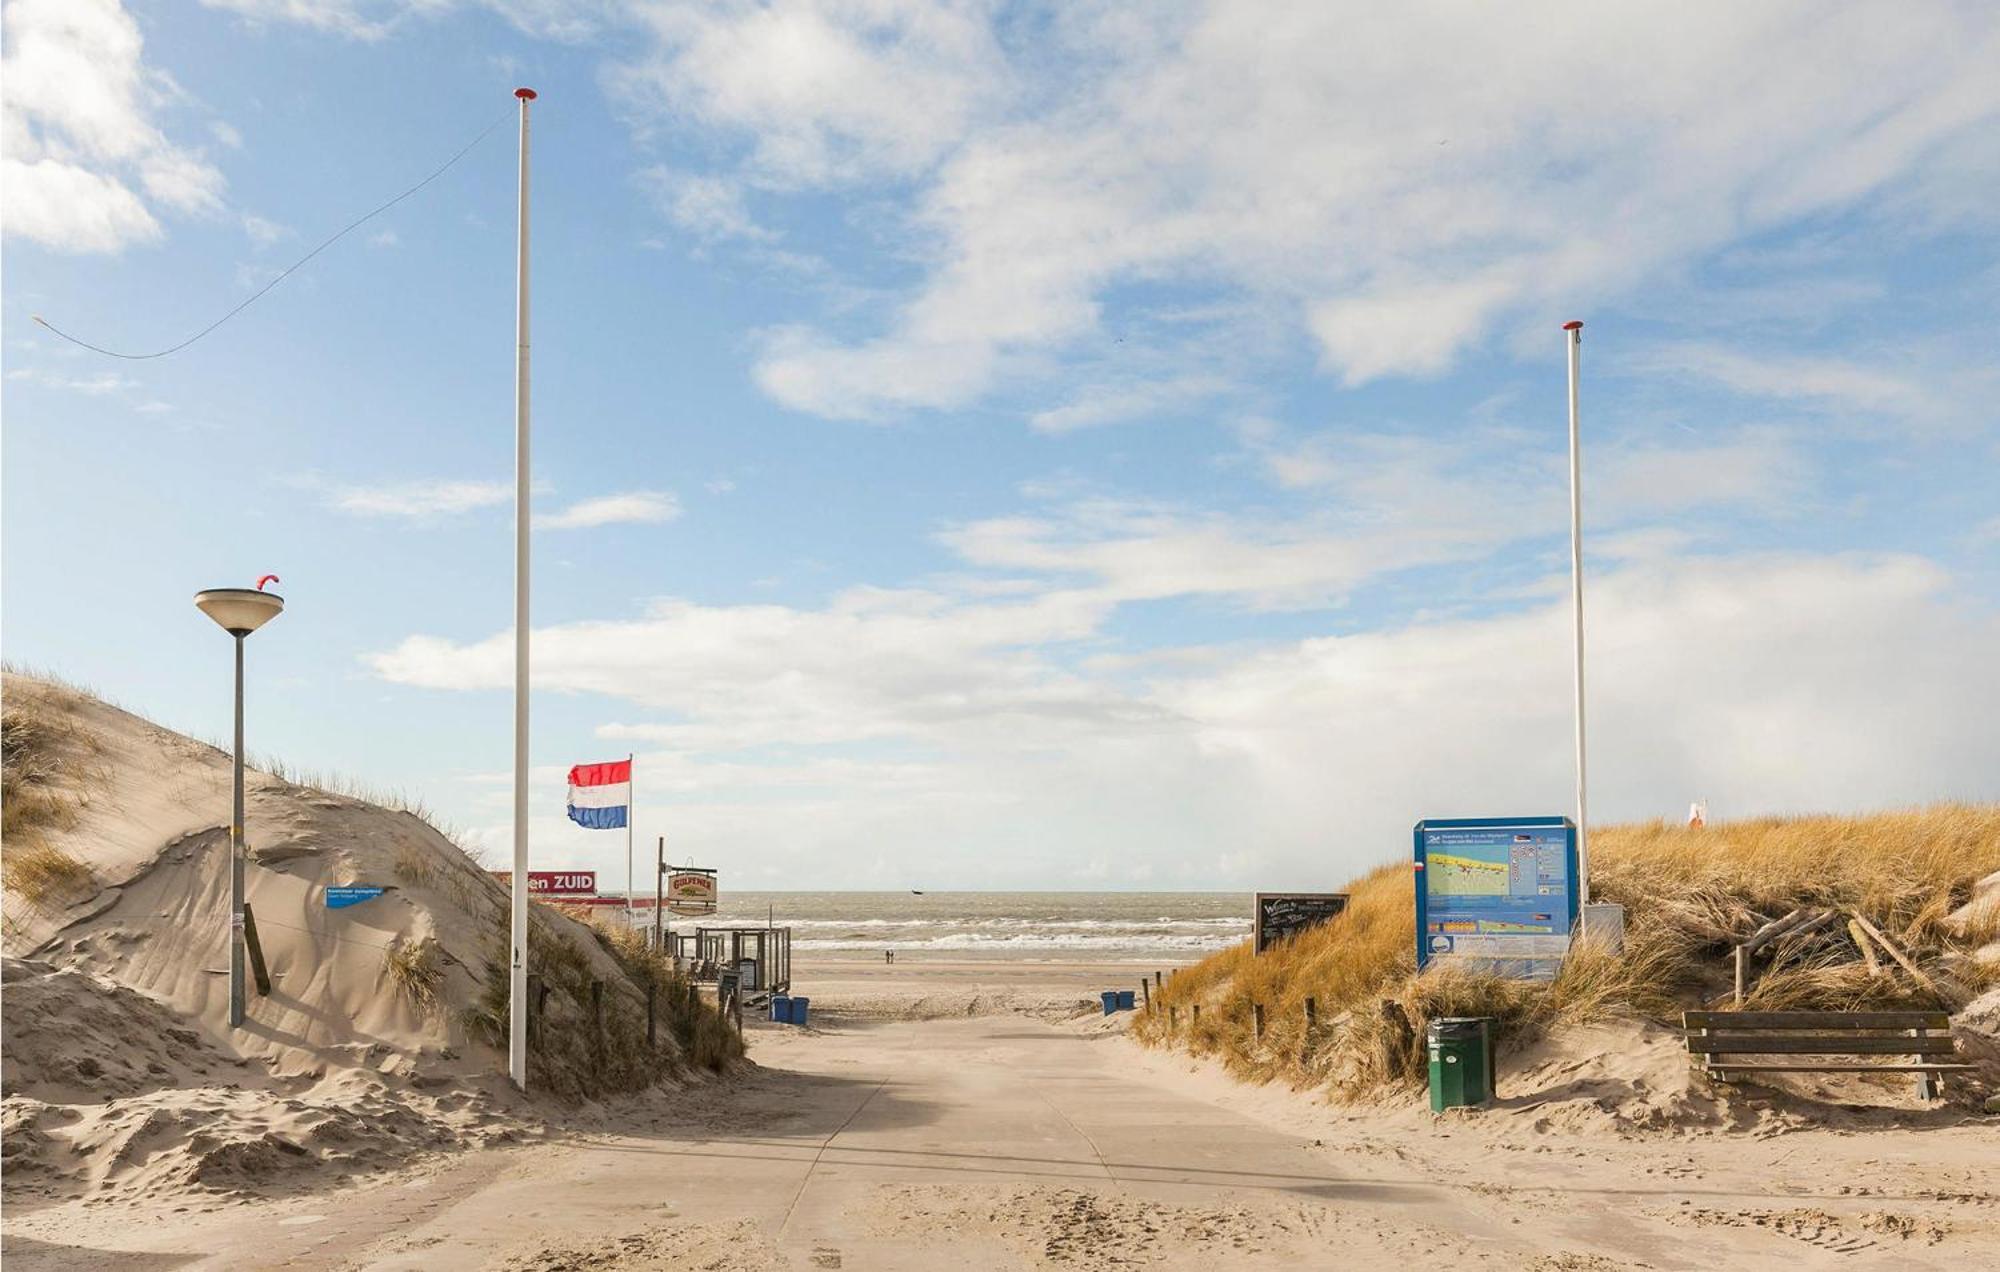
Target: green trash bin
{"x": 1461, "y": 1053}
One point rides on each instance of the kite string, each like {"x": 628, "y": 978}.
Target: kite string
{"x": 255, "y": 296}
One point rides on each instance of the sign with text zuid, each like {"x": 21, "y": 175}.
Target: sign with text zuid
{"x": 1496, "y": 892}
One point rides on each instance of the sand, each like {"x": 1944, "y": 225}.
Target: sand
{"x": 947, "y": 1112}
{"x": 853, "y": 987}
{"x": 1012, "y": 1142}
{"x": 122, "y": 1078}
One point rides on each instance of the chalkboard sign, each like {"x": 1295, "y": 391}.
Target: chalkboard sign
{"x": 1286, "y": 914}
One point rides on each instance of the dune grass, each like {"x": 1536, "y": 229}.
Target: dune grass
{"x": 591, "y": 1037}
{"x": 416, "y": 969}
{"x": 43, "y": 753}
{"x": 1689, "y": 895}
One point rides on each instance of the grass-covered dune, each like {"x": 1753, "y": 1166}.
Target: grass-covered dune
{"x": 1689, "y": 894}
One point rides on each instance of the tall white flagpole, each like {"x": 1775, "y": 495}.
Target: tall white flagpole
{"x": 1573, "y": 336}
{"x": 631, "y": 815}
{"x": 517, "y": 984}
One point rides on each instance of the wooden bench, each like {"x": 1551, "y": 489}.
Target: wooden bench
{"x": 1803, "y": 1038}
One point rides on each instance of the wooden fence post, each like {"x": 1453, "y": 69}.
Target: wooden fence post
{"x": 256, "y": 951}
{"x": 1197, "y": 1014}
{"x": 1173, "y": 1016}
{"x": 534, "y": 1007}
{"x": 1146, "y": 988}
{"x": 1257, "y": 1021}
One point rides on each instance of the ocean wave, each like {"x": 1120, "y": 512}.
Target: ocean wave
{"x": 1030, "y": 941}
{"x": 1230, "y": 923}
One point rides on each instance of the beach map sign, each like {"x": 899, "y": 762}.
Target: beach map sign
{"x": 1499, "y": 892}
{"x": 1286, "y": 914}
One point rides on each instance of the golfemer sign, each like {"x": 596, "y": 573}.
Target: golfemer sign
{"x": 691, "y": 891}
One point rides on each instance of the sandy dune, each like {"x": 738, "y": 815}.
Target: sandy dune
{"x": 122, "y": 1078}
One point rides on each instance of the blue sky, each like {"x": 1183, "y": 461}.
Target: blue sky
{"x": 1013, "y": 446}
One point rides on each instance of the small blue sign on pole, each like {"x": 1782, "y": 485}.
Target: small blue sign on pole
{"x": 1497, "y": 892}
{"x": 352, "y": 894}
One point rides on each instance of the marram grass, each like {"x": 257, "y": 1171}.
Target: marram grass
{"x": 1688, "y": 895}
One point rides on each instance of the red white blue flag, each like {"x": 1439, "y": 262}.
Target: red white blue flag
{"x": 600, "y": 795}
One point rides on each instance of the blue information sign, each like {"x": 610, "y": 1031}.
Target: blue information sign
{"x": 1498, "y": 892}
{"x": 354, "y": 894}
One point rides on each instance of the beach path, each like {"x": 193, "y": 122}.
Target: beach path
{"x": 997, "y": 1142}
{"x": 1012, "y": 1142}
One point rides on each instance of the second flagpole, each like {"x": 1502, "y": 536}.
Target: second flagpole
{"x": 517, "y": 982}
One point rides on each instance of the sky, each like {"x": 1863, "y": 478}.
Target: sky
{"x": 1024, "y": 446}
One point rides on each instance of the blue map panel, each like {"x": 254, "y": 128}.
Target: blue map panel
{"x": 1496, "y": 892}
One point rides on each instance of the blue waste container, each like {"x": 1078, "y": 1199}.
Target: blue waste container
{"x": 1126, "y": 999}
{"x": 799, "y": 1006}
{"x": 1110, "y": 1000}
{"x": 781, "y": 1009}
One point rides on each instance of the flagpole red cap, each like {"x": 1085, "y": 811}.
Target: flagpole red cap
{"x": 1573, "y": 325}
{"x": 525, "y": 94}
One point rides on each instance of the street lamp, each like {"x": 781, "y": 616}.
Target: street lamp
{"x": 238, "y": 611}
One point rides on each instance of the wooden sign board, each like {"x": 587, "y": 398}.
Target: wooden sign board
{"x": 1281, "y": 915}
{"x": 691, "y": 890}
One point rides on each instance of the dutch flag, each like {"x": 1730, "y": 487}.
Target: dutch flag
{"x": 600, "y": 795}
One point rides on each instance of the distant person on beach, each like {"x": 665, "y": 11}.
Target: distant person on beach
{"x": 888, "y": 956}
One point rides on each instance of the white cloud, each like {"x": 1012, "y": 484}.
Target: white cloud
{"x": 1823, "y": 380}
{"x": 638, "y": 507}
{"x": 99, "y": 384}
{"x": 1108, "y": 403}
{"x": 421, "y": 500}
{"x": 709, "y": 207}
{"x": 262, "y": 232}
{"x": 1401, "y": 182}
{"x": 825, "y": 91}
{"x": 79, "y": 129}
{"x": 954, "y": 740}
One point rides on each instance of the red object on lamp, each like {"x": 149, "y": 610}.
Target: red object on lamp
{"x": 525, "y": 94}
{"x": 1573, "y": 326}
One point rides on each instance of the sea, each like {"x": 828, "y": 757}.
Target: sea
{"x": 1051, "y": 926}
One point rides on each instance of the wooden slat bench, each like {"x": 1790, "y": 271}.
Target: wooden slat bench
{"x": 1714, "y": 1037}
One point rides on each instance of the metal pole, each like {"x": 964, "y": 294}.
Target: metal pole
{"x": 517, "y": 986}
{"x": 660, "y": 895}
{"x": 631, "y": 815}
{"x": 236, "y": 857}
{"x": 1574, "y": 338}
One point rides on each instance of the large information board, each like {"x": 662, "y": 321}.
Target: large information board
{"x": 1286, "y": 914}
{"x": 1497, "y": 892}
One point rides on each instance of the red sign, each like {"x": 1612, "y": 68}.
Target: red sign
{"x": 555, "y": 882}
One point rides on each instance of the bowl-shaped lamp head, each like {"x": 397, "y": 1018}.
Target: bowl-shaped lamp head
{"x": 239, "y": 610}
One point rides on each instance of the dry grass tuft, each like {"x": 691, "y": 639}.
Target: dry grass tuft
{"x": 42, "y": 751}
{"x": 417, "y": 971}
{"x": 1688, "y": 896}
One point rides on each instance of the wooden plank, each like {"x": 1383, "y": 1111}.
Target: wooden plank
{"x": 1772, "y": 1045}
{"x": 1817, "y": 1021}
{"x": 1889, "y": 947}
{"x": 1755, "y": 941}
{"x": 1861, "y": 942}
{"x": 1839, "y": 1068}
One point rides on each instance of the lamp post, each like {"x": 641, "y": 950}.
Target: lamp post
{"x": 238, "y": 611}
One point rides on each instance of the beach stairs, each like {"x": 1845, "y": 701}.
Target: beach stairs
{"x": 1824, "y": 1042}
